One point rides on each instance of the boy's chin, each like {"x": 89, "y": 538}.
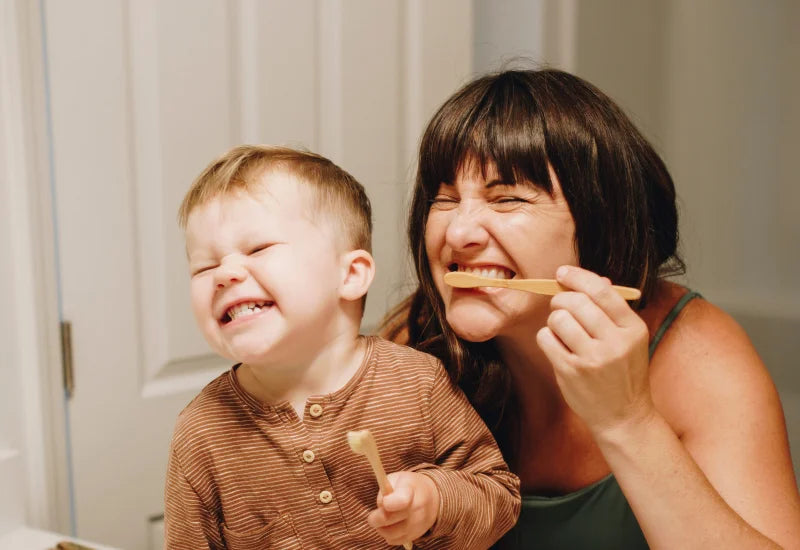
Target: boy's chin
{"x": 248, "y": 355}
{"x": 252, "y": 358}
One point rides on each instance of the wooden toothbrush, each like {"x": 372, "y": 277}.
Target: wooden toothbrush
{"x": 461, "y": 279}
{"x": 361, "y": 442}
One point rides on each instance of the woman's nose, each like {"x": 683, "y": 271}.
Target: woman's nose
{"x": 229, "y": 272}
{"x": 467, "y": 228}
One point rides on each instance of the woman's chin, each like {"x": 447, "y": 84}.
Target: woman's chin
{"x": 475, "y": 322}
{"x": 473, "y": 330}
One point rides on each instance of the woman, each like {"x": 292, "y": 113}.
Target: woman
{"x": 650, "y": 423}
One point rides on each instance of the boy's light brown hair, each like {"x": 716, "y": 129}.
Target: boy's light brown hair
{"x": 335, "y": 193}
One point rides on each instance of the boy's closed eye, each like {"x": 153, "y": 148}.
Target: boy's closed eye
{"x": 259, "y": 248}
{"x": 201, "y": 269}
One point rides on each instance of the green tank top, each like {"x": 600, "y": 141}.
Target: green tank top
{"x": 597, "y": 517}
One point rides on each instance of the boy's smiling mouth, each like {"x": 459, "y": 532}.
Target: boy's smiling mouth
{"x": 244, "y": 309}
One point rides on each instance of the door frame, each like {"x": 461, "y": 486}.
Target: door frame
{"x": 25, "y": 144}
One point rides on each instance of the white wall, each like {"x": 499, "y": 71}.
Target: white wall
{"x": 11, "y": 505}
{"x": 714, "y": 86}
{"x": 506, "y": 30}
{"x": 13, "y": 290}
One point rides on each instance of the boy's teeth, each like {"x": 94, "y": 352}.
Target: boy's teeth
{"x": 245, "y": 309}
{"x": 492, "y": 273}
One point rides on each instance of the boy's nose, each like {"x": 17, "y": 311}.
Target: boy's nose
{"x": 466, "y": 228}
{"x": 229, "y": 272}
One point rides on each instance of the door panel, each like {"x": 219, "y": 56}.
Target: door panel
{"x": 143, "y": 94}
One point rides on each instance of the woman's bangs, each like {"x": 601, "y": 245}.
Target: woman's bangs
{"x": 503, "y": 126}
{"x": 445, "y": 145}
{"x": 515, "y": 142}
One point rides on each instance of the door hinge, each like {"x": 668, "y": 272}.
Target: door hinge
{"x": 66, "y": 358}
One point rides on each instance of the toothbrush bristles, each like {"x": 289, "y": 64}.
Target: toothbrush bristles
{"x": 356, "y": 440}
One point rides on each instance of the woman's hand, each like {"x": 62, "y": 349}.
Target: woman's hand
{"x": 409, "y": 511}
{"x": 598, "y": 347}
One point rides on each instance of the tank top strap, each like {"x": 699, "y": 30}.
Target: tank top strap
{"x": 668, "y": 320}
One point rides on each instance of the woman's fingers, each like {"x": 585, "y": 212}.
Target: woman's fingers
{"x": 598, "y": 347}
{"x": 600, "y": 291}
{"x": 594, "y": 321}
{"x": 554, "y": 348}
{"x": 569, "y": 331}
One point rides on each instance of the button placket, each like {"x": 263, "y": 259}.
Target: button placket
{"x": 316, "y": 422}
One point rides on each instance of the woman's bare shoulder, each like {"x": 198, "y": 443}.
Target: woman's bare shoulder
{"x": 706, "y": 363}
{"x": 711, "y": 386}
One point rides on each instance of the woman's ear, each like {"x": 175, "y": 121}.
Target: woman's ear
{"x": 358, "y": 270}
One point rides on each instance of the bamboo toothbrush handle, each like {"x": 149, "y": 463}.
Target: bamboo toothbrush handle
{"x": 380, "y": 473}
{"x": 371, "y": 452}
{"x": 549, "y": 287}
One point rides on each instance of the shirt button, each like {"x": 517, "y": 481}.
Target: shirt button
{"x": 325, "y": 497}
{"x": 315, "y": 410}
{"x": 308, "y": 456}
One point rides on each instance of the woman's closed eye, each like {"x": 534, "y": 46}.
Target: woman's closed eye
{"x": 444, "y": 202}
{"x": 506, "y": 203}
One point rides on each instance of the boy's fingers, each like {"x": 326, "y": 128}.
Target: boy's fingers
{"x": 395, "y": 534}
{"x": 399, "y": 499}
{"x": 381, "y": 518}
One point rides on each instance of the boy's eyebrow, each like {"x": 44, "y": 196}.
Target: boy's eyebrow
{"x": 186, "y": 249}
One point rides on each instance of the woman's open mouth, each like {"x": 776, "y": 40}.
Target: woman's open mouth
{"x": 491, "y": 271}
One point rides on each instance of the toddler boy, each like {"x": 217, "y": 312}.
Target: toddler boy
{"x": 279, "y": 244}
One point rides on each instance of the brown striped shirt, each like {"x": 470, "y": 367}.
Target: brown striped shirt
{"x": 244, "y": 475}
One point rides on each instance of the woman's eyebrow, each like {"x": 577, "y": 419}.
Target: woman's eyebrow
{"x": 497, "y": 182}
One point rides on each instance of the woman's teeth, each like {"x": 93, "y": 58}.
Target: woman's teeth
{"x": 244, "y": 309}
{"x": 490, "y": 272}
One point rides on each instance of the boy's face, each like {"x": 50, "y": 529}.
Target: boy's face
{"x": 265, "y": 278}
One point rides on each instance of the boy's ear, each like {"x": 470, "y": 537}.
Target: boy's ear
{"x": 358, "y": 270}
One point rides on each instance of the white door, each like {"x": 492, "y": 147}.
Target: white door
{"x": 142, "y": 94}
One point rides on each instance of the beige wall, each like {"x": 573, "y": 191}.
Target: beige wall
{"x": 714, "y": 85}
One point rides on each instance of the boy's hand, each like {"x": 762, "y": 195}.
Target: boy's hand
{"x": 409, "y": 511}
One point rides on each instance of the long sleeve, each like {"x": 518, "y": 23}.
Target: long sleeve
{"x": 187, "y": 523}
{"x": 480, "y": 497}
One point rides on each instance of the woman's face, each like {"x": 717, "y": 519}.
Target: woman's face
{"x": 486, "y": 226}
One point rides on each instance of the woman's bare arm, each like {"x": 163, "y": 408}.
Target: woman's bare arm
{"x": 697, "y": 440}
{"x": 732, "y": 469}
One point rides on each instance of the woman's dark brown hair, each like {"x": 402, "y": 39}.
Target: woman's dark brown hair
{"x": 619, "y": 193}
